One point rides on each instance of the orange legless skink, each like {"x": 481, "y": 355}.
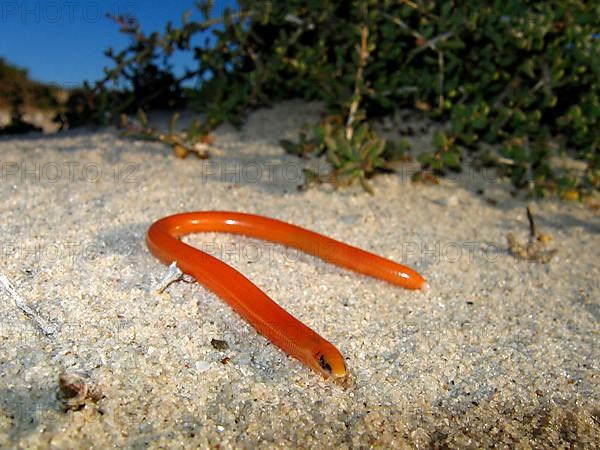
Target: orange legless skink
{"x": 249, "y": 301}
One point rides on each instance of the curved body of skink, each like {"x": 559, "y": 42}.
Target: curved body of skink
{"x": 249, "y": 301}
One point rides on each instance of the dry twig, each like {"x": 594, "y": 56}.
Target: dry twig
{"x": 533, "y": 250}
{"x": 48, "y": 329}
{"x": 363, "y": 55}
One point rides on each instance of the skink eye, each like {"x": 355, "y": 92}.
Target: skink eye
{"x": 324, "y": 364}
{"x": 329, "y": 363}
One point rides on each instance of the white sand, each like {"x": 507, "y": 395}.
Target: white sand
{"x": 499, "y": 351}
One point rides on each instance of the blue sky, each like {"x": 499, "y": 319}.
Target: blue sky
{"x": 63, "y": 41}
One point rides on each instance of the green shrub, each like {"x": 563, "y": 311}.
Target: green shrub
{"x": 515, "y": 75}
{"x": 16, "y": 88}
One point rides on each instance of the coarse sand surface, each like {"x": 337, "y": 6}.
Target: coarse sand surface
{"x": 499, "y": 352}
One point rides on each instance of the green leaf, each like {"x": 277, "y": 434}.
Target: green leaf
{"x": 174, "y": 118}
{"x": 142, "y": 117}
{"x": 440, "y": 141}
{"x": 291, "y": 147}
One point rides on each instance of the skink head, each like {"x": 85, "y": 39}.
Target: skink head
{"x": 329, "y": 362}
